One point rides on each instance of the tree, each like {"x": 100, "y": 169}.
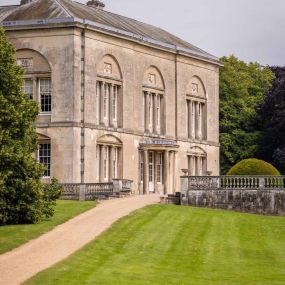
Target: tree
{"x": 23, "y": 198}
{"x": 272, "y": 121}
{"x": 242, "y": 88}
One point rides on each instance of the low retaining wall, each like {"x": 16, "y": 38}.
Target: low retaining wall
{"x": 258, "y": 195}
{"x": 250, "y": 201}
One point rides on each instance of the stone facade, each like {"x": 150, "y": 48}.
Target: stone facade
{"x": 119, "y": 107}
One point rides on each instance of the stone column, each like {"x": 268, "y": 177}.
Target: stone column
{"x": 166, "y": 171}
{"x": 198, "y": 115}
{"x": 101, "y": 172}
{"x": 102, "y": 94}
{"x": 111, "y": 94}
{"x": 145, "y": 172}
{"x": 146, "y": 111}
{"x": 154, "y": 123}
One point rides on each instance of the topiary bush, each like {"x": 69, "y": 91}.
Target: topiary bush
{"x": 253, "y": 166}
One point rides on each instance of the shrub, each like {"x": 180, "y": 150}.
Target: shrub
{"x": 253, "y": 166}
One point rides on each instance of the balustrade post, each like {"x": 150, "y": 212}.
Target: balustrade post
{"x": 261, "y": 182}
{"x": 82, "y": 192}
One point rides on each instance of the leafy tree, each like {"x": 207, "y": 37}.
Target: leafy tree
{"x": 272, "y": 120}
{"x": 242, "y": 88}
{"x": 23, "y": 198}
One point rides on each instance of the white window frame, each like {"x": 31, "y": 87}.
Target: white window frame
{"x": 106, "y": 163}
{"x": 158, "y": 112}
{"x": 106, "y": 101}
{"x": 160, "y": 168}
{"x": 28, "y": 90}
{"x": 47, "y": 157}
{"x": 45, "y": 93}
{"x": 97, "y": 100}
{"x": 115, "y": 103}
{"x": 97, "y": 162}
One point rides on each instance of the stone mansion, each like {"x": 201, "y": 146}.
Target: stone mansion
{"x": 118, "y": 98}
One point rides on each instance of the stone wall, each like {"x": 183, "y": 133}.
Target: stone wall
{"x": 212, "y": 192}
{"x": 250, "y": 201}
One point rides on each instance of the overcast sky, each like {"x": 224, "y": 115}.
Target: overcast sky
{"x": 253, "y": 30}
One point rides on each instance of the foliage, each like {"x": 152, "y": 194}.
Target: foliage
{"x": 272, "y": 121}
{"x": 242, "y": 88}
{"x": 16, "y": 235}
{"x": 179, "y": 245}
{"x": 253, "y": 166}
{"x": 22, "y": 195}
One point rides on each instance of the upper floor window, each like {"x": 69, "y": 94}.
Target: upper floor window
{"x": 153, "y": 102}
{"x": 45, "y": 95}
{"x": 196, "y": 110}
{"x": 37, "y": 78}
{"x": 28, "y": 88}
{"x": 108, "y": 100}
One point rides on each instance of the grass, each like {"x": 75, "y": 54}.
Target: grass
{"x": 14, "y": 236}
{"x": 161, "y": 245}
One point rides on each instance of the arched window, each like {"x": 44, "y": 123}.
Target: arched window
{"x": 197, "y": 162}
{"x": 108, "y": 106}
{"x": 37, "y": 78}
{"x": 108, "y": 159}
{"x": 196, "y": 110}
{"x": 44, "y": 154}
{"x": 154, "y": 101}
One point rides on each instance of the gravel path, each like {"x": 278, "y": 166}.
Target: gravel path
{"x": 24, "y": 262}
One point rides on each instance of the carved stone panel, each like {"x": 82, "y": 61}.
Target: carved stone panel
{"x": 26, "y": 63}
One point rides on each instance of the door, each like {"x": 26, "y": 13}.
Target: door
{"x": 151, "y": 171}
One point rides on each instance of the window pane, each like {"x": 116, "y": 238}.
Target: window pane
{"x": 45, "y": 95}
{"x": 44, "y": 157}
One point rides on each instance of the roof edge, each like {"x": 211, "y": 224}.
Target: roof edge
{"x": 101, "y": 27}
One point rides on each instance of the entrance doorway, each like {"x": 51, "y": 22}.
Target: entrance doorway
{"x": 151, "y": 171}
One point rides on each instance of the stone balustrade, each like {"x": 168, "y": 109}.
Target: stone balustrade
{"x": 254, "y": 194}
{"x": 94, "y": 191}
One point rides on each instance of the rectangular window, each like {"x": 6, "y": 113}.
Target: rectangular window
{"x": 151, "y": 165}
{"x": 193, "y": 120}
{"x": 159, "y": 167}
{"x": 28, "y": 88}
{"x": 44, "y": 157}
{"x": 106, "y": 101}
{"x": 141, "y": 166}
{"x": 150, "y": 111}
{"x": 115, "y": 162}
{"x": 158, "y": 112}
{"x": 115, "y": 103}
{"x": 45, "y": 95}
{"x": 97, "y": 163}
{"x": 106, "y": 163}
{"x": 97, "y": 103}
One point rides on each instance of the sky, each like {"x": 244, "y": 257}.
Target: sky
{"x": 253, "y": 30}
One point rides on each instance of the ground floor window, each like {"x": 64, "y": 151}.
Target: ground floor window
{"x": 44, "y": 157}
{"x": 159, "y": 167}
{"x": 197, "y": 165}
{"x": 107, "y": 162}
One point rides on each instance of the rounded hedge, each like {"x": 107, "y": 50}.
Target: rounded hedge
{"x": 253, "y": 166}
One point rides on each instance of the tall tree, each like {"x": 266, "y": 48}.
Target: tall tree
{"x": 272, "y": 119}
{"x": 242, "y": 88}
{"x": 23, "y": 198}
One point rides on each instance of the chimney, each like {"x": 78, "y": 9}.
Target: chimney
{"x": 96, "y": 4}
{"x": 23, "y": 2}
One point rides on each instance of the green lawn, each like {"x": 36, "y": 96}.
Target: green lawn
{"x": 13, "y": 236}
{"x": 179, "y": 245}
